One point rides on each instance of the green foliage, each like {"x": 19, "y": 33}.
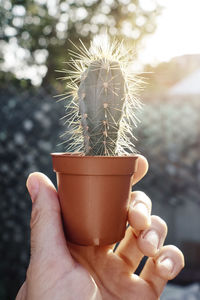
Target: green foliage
{"x": 36, "y": 32}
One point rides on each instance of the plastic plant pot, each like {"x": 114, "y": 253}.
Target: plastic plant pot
{"x": 94, "y": 196}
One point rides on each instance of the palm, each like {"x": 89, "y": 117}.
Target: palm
{"x": 112, "y": 274}
{"x": 95, "y": 273}
{"x": 100, "y": 275}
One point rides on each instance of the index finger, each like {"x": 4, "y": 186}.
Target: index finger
{"x": 141, "y": 169}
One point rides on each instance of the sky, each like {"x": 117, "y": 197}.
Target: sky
{"x": 177, "y": 33}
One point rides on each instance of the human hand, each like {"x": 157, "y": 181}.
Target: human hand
{"x": 61, "y": 270}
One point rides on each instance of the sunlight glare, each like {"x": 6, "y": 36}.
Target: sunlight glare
{"x": 178, "y": 31}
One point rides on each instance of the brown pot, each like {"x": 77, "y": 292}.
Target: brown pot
{"x": 94, "y": 196}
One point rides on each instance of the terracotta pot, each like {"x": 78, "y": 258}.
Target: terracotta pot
{"x": 94, "y": 195}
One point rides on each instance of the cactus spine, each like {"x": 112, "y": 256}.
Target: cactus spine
{"x": 101, "y": 110}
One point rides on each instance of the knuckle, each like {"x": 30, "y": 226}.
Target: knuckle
{"x": 140, "y": 196}
{"x": 33, "y": 271}
{"x": 159, "y": 223}
{"x": 35, "y": 216}
{"x": 29, "y": 273}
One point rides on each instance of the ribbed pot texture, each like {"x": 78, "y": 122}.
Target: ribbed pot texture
{"x": 94, "y": 196}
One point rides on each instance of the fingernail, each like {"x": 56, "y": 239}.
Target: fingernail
{"x": 167, "y": 263}
{"x": 152, "y": 237}
{"x": 33, "y": 187}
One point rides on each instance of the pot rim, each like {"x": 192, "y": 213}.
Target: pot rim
{"x": 82, "y": 155}
{"x": 78, "y": 164}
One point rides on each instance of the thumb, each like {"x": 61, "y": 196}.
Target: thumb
{"x": 47, "y": 236}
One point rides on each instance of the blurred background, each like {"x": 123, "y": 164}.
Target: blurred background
{"x": 34, "y": 43}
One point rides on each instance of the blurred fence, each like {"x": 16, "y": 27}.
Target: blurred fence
{"x": 169, "y": 136}
{"x": 29, "y": 131}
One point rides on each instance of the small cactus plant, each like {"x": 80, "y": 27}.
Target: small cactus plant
{"x": 101, "y": 100}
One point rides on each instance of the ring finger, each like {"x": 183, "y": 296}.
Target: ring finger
{"x": 137, "y": 242}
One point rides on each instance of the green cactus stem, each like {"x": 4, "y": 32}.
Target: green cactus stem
{"x": 101, "y": 97}
{"x": 101, "y": 101}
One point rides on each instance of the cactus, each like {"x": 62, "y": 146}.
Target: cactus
{"x": 102, "y": 101}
